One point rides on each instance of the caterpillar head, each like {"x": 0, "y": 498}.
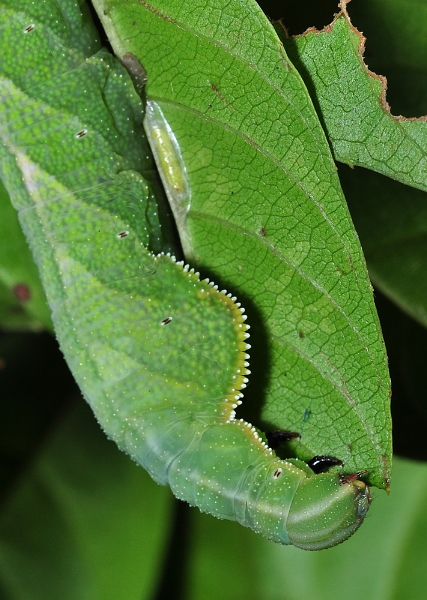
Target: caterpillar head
{"x": 326, "y": 510}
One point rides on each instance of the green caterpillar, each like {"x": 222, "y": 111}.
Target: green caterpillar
{"x": 160, "y": 355}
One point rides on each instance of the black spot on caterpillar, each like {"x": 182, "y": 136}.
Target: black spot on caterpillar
{"x": 166, "y": 321}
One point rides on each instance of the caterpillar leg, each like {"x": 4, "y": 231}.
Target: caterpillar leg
{"x": 277, "y": 437}
{"x": 317, "y": 464}
{"x": 320, "y": 463}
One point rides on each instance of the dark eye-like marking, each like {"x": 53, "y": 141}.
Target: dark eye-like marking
{"x": 277, "y": 473}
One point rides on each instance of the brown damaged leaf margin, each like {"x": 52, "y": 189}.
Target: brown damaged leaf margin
{"x": 361, "y": 51}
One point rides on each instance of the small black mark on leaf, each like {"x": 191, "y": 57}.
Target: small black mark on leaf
{"x": 29, "y": 28}
{"x": 123, "y": 234}
{"x": 306, "y": 415}
{"x": 166, "y": 321}
{"x": 81, "y": 133}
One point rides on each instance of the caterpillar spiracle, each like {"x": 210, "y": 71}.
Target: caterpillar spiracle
{"x": 160, "y": 355}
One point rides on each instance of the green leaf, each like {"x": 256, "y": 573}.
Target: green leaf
{"x": 389, "y": 217}
{"x": 267, "y": 219}
{"x": 84, "y": 522}
{"x": 22, "y": 300}
{"x": 351, "y": 101}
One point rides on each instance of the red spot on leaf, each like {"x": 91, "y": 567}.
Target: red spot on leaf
{"x": 22, "y": 292}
